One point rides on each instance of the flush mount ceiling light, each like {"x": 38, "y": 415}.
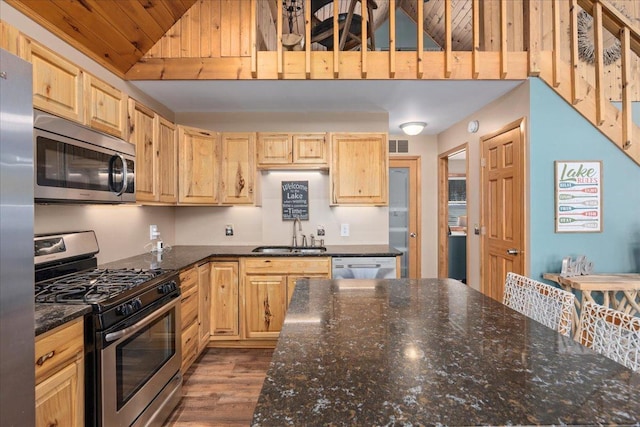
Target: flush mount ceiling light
{"x": 412, "y": 128}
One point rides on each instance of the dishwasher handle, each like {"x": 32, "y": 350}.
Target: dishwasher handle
{"x": 364, "y": 265}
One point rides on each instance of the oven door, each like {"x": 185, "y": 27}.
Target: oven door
{"x": 140, "y": 366}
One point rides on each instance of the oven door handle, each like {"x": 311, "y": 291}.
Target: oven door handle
{"x": 114, "y": 336}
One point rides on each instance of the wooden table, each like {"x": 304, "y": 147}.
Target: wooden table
{"x": 619, "y": 291}
{"x": 432, "y": 351}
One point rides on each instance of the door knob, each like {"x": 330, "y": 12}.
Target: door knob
{"x": 513, "y": 251}
{"x": 412, "y": 235}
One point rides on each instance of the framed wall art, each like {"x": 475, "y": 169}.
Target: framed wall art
{"x": 578, "y": 193}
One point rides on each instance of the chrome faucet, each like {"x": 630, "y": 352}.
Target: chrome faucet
{"x": 294, "y": 242}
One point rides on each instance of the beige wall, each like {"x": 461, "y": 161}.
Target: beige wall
{"x": 122, "y": 230}
{"x": 512, "y": 106}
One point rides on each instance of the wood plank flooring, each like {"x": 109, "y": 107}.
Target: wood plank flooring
{"x": 221, "y": 388}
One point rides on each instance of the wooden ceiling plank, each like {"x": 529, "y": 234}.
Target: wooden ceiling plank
{"x": 138, "y": 14}
{"x": 122, "y": 23}
{"x": 187, "y": 48}
{"x": 215, "y": 32}
{"x": 204, "y": 13}
{"x": 245, "y": 28}
{"x": 49, "y": 15}
{"x": 159, "y": 13}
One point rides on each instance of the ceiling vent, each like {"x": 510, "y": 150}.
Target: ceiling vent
{"x": 398, "y": 146}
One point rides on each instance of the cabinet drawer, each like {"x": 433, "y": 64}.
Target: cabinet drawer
{"x": 189, "y": 345}
{"x": 189, "y": 307}
{"x": 188, "y": 279}
{"x": 57, "y": 347}
{"x": 293, "y": 265}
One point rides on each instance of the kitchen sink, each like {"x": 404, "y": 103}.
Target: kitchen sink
{"x": 289, "y": 250}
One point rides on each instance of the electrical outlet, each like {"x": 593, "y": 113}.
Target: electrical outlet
{"x": 228, "y": 230}
{"x": 320, "y": 230}
{"x": 153, "y": 231}
{"x": 344, "y": 230}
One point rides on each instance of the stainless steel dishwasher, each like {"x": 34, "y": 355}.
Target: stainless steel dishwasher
{"x": 363, "y": 268}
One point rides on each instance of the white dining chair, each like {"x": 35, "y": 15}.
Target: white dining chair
{"x": 543, "y": 303}
{"x": 611, "y": 333}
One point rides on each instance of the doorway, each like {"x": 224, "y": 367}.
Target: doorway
{"x": 502, "y": 212}
{"x": 404, "y": 212}
{"x": 453, "y": 170}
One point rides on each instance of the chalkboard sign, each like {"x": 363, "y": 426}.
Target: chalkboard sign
{"x": 295, "y": 200}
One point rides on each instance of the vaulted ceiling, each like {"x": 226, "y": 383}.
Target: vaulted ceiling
{"x": 114, "y": 33}
{"x": 117, "y": 34}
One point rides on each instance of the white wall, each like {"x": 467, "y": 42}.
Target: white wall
{"x": 510, "y": 107}
{"x": 122, "y": 230}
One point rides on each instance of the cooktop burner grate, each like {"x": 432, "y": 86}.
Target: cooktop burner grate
{"x": 94, "y": 286}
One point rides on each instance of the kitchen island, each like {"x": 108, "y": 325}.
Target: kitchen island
{"x": 430, "y": 351}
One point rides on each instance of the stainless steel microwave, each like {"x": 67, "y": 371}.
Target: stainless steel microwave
{"x": 74, "y": 164}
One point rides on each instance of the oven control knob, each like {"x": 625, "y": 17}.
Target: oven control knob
{"x": 124, "y": 310}
{"x": 136, "y": 304}
{"x": 167, "y": 288}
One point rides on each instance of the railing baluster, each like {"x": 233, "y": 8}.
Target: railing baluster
{"x": 627, "y": 119}
{"x": 447, "y": 38}
{"x": 280, "y": 58}
{"x": 364, "y": 38}
{"x": 573, "y": 19}
{"x": 599, "y": 62}
{"x": 556, "y": 43}
{"x": 475, "y": 53}
{"x": 392, "y": 38}
{"x": 503, "y": 39}
{"x": 253, "y": 28}
{"x": 307, "y": 38}
{"x": 336, "y": 37}
{"x": 420, "y": 58}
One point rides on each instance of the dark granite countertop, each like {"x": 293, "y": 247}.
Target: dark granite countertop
{"x": 179, "y": 257}
{"x": 49, "y": 316}
{"x": 428, "y": 352}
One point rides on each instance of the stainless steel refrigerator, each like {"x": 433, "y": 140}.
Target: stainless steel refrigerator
{"x": 17, "y": 369}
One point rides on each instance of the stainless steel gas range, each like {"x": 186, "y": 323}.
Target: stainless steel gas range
{"x": 132, "y": 337}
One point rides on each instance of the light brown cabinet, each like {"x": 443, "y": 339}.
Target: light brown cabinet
{"x": 10, "y": 39}
{"x": 59, "y": 373}
{"x": 359, "y": 169}
{"x": 292, "y": 151}
{"x": 105, "y": 107}
{"x": 268, "y": 284}
{"x": 189, "y": 306}
{"x": 204, "y": 305}
{"x": 238, "y": 168}
{"x": 167, "y": 173}
{"x": 142, "y": 134}
{"x": 224, "y": 301}
{"x": 199, "y": 162}
{"x": 57, "y": 83}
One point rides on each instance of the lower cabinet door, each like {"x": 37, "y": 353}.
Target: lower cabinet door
{"x": 57, "y": 399}
{"x": 224, "y": 300}
{"x": 266, "y": 302}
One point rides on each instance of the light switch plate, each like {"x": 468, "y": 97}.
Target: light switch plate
{"x": 344, "y": 230}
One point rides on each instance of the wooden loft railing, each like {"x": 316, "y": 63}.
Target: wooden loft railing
{"x": 582, "y": 85}
{"x": 226, "y": 40}
{"x": 589, "y": 88}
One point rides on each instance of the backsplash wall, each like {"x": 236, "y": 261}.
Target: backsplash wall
{"x": 122, "y": 230}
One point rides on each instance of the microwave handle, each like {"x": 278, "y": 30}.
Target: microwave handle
{"x": 125, "y": 181}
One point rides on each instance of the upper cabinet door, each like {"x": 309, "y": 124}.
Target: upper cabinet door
{"x": 359, "y": 169}
{"x": 274, "y": 149}
{"x": 199, "y": 160}
{"x": 311, "y": 149}
{"x": 57, "y": 83}
{"x": 105, "y": 107}
{"x": 167, "y": 161}
{"x": 238, "y": 168}
{"x": 142, "y": 133}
